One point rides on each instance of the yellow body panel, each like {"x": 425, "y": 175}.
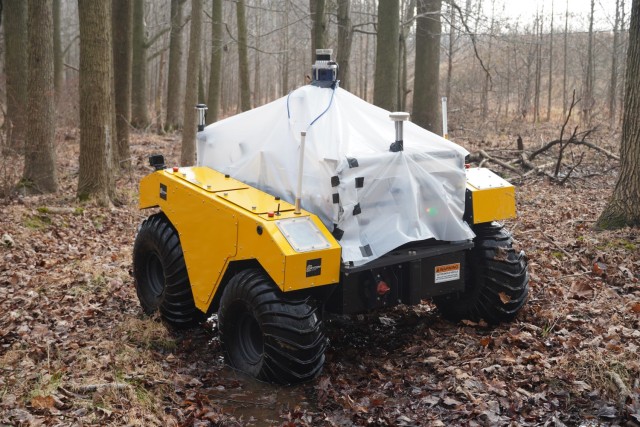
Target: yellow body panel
{"x": 217, "y": 224}
{"x": 492, "y": 198}
{"x": 256, "y": 201}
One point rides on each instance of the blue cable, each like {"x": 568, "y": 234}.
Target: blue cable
{"x": 333, "y": 91}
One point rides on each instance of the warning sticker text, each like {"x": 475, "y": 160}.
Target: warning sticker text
{"x": 447, "y": 273}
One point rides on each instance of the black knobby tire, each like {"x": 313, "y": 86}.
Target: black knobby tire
{"x": 160, "y": 273}
{"x": 268, "y": 335}
{"x": 497, "y": 280}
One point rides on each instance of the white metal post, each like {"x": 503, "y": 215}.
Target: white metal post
{"x": 445, "y": 130}
{"x": 303, "y": 136}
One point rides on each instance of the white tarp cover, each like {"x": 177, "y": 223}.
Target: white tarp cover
{"x": 372, "y": 199}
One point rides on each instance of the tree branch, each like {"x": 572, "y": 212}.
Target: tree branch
{"x": 473, "y": 40}
{"x": 150, "y": 42}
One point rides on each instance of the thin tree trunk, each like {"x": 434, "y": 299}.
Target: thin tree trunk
{"x": 160, "y": 127}
{"x": 96, "y": 102}
{"x": 40, "y": 155}
{"x": 536, "y": 95}
{"x": 452, "y": 35}
{"x": 58, "y": 61}
{"x": 243, "y": 59}
{"x": 613, "y": 83}
{"x": 345, "y": 38}
{"x": 188, "y": 155}
{"x": 122, "y": 36}
{"x": 139, "y": 96}
{"x": 215, "y": 75}
{"x": 285, "y": 51}
{"x": 564, "y": 69}
{"x": 201, "y": 96}
{"x": 487, "y": 81}
{"x": 588, "y": 99}
{"x": 175, "y": 82}
{"x": 426, "y": 100}
{"x": 403, "y": 90}
{"x": 319, "y": 26}
{"x": 623, "y": 208}
{"x": 385, "y": 89}
{"x": 550, "y": 83}
{"x": 622, "y": 64}
{"x": 256, "y": 66}
{"x": 16, "y": 70}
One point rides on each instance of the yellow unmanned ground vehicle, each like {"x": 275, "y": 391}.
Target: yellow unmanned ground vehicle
{"x": 271, "y": 235}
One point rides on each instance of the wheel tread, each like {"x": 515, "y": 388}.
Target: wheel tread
{"x": 498, "y": 268}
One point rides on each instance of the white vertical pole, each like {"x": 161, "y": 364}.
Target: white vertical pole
{"x": 303, "y": 136}
{"x": 445, "y": 130}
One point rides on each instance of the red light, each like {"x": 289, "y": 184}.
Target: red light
{"x": 382, "y": 288}
{"x": 270, "y": 214}
{"x": 175, "y": 169}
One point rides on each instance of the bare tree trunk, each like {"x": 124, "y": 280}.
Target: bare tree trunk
{"x": 122, "y": 23}
{"x": 623, "y": 208}
{"x": 175, "y": 75}
{"x": 426, "y": 101}
{"x": 188, "y": 154}
{"x": 201, "y": 96}
{"x": 96, "y": 102}
{"x": 613, "y": 83}
{"x": 58, "y": 62}
{"x": 452, "y": 35}
{"x": 385, "y": 85}
{"x": 40, "y": 155}
{"x": 550, "y": 83}
{"x": 487, "y": 80}
{"x": 319, "y": 28}
{"x": 139, "y": 96}
{"x": 365, "y": 67}
{"x": 285, "y": 51}
{"x": 622, "y": 64}
{"x": 536, "y": 95}
{"x": 564, "y": 69}
{"x": 345, "y": 38}
{"x": 243, "y": 59}
{"x": 215, "y": 75}
{"x": 587, "y": 99}
{"x": 16, "y": 70}
{"x": 256, "y": 66}
{"x": 508, "y": 91}
{"x": 407, "y": 15}
{"x": 159, "y": 86}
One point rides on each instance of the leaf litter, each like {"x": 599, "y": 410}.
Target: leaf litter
{"x": 75, "y": 348}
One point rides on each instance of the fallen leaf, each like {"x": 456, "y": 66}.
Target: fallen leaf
{"x": 599, "y": 268}
{"x": 451, "y": 402}
{"x": 504, "y": 297}
{"x": 486, "y": 341}
{"x": 43, "y": 402}
{"x": 581, "y": 290}
{"x": 607, "y": 411}
{"x": 635, "y": 307}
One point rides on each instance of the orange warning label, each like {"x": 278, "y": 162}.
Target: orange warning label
{"x": 447, "y": 273}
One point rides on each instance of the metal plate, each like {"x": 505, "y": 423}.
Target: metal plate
{"x": 483, "y": 179}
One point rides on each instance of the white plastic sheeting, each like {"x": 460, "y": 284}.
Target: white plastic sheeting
{"x": 372, "y": 199}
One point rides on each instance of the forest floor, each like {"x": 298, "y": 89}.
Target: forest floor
{"x": 75, "y": 348}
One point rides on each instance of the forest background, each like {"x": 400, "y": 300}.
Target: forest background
{"x": 100, "y": 85}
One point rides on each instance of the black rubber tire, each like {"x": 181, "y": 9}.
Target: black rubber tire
{"x": 268, "y": 335}
{"x": 497, "y": 280}
{"x": 160, "y": 274}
